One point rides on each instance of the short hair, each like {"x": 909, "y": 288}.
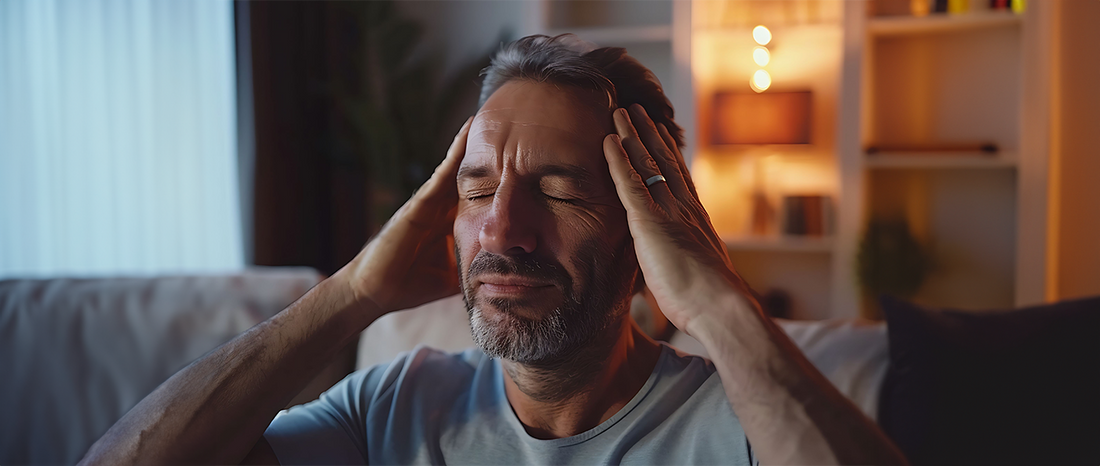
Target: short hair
{"x": 567, "y": 60}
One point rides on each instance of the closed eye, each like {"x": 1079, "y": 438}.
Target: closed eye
{"x": 476, "y": 196}
{"x": 561, "y": 200}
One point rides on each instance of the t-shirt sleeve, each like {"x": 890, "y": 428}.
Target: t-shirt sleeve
{"x": 329, "y": 430}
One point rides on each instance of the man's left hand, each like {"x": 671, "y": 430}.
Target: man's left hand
{"x": 684, "y": 262}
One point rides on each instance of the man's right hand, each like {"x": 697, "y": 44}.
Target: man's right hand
{"x": 410, "y": 261}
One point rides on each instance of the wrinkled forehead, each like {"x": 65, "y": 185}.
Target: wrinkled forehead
{"x": 531, "y": 122}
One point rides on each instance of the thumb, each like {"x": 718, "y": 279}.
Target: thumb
{"x": 443, "y": 178}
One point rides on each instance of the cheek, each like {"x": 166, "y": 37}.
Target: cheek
{"x": 602, "y": 228}
{"x": 467, "y": 229}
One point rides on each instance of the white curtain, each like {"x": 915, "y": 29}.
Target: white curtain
{"x": 117, "y": 137}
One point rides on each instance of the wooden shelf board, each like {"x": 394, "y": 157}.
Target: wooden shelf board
{"x": 617, "y": 35}
{"x": 940, "y": 22}
{"x": 779, "y": 243}
{"x": 941, "y": 160}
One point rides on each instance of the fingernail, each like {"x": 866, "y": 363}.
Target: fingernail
{"x": 616, "y": 138}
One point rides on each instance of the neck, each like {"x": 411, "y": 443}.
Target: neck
{"x": 576, "y": 395}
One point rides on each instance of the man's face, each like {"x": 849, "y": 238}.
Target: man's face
{"x": 545, "y": 258}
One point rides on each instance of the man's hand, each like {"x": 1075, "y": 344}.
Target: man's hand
{"x": 789, "y": 411}
{"x": 410, "y": 261}
{"x": 685, "y": 263}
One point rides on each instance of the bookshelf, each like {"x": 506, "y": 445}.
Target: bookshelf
{"x": 945, "y": 79}
{"x": 940, "y": 22}
{"x": 941, "y": 161}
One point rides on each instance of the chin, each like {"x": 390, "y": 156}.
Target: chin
{"x": 506, "y": 334}
{"x": 521, "y": 308}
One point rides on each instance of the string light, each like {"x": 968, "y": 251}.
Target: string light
{"x": 762, "y": 35}
{"x": 761, "y": 56}
{"x": 761, "y": 81}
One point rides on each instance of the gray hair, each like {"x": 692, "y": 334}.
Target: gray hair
{"x": 569, "y": 61}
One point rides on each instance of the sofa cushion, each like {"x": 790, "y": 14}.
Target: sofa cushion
{"x": 852, "y": 354}
{"x": 442, "y": 324}
{"x": 995, "y": 387}
{"x": 76, "y": 354}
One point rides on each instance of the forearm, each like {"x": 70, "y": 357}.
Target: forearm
{"x": 215, "y": 410}
{"x": 791, "y": 413}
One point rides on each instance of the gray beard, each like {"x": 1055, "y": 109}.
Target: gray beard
{"x": 576, "y": 333}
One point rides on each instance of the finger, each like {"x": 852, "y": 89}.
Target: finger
{"x": 437, "y": 197}
{"x": 443, "y": 181}
{"x": 447, "y": 171}
{"x": 667, "y": 136}
{"x": 631, "y": 188}
{"x": 708, "y": 228}
{"x": 641, "y": 160}
{"x": 660, "y": 151}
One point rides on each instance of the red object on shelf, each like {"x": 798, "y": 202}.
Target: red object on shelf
{"x": 764, "y": 118}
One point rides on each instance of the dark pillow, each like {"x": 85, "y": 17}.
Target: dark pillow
{"x": 994, "y": 387}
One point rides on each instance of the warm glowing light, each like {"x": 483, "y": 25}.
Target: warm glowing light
{"x": 762, "y": 35}
{"x": 761, "y": 81}
{"x": 761, "y": 56}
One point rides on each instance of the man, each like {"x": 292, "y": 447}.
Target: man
{"x": 556, "y": 196}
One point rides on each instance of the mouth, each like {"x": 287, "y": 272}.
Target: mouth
{"x": 512, "y": 285}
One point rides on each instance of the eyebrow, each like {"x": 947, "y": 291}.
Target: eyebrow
{"x": 480, "y": 171}
{"x": 576, "y": 173}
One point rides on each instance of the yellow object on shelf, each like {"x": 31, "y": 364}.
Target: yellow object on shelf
{"x": 958, "y": 6}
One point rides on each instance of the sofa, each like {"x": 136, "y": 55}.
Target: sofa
{"x": 78, "y": 353}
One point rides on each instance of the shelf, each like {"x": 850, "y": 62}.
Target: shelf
{"x": 618, "y": 35}
{"x": 779, "y": 243}
{"x": 940, "y": 22}
{"x": 941, "y": 160}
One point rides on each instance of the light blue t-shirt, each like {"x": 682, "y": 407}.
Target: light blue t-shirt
{"x": 428, "y": 406}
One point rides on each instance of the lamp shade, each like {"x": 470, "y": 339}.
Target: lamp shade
{"x": 764, "y": 118}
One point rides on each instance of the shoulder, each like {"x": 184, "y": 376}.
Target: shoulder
{"x": 691, "y": 383}
{"x": 345, "y": 423}
{"x": 423, "y": 372}
{"x": 678, "y": 363}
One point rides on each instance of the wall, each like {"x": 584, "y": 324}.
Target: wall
{"x": 464, "y": 30}
{"x": 1076, "y": 151}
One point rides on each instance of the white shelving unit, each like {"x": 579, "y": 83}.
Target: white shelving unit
{"x": 940, "y": 22}
{"x": 941, "y": 160}
{"x": 970, "y": 77}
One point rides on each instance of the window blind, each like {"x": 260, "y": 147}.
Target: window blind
{"x": 118, "y": 138}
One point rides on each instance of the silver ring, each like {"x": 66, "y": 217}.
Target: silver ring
{"x": 654, "y": 179}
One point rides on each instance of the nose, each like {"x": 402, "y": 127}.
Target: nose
{"x": 510, "y": 228}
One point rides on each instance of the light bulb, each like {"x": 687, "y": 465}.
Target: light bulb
{"x": 762, "y": 35}
{"x": 761, "y": 56}
{"x": 761, "y": 81}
